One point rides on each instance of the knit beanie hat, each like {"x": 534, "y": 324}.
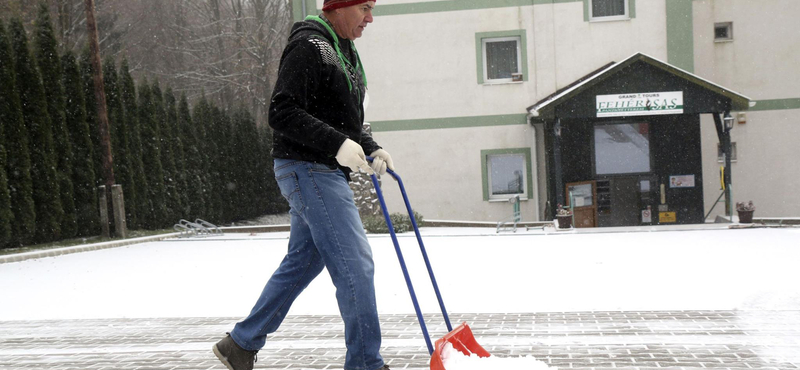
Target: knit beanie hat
{"x": 336, "y": 4}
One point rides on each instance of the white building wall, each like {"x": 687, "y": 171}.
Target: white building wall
{"x": 441, "y": 169}
{"x": 762, "y": 63}
{"x": 423, "y": 66}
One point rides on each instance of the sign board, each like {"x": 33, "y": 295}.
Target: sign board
{"x": 666, "y": 217}
{"x": 639, "y": 104}
{"x": 647, "y": 216}
{"x": 683, "y": 181}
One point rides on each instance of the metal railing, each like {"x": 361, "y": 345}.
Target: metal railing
{"x": 198, "y": 228}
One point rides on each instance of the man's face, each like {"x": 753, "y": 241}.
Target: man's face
{"x": 354, "y": 19}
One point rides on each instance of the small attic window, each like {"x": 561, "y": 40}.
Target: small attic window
{"x": 723, "y": 31}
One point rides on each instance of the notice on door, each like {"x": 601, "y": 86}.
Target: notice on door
{"x": 683, "y": 181}
{"x": 666, "y": 217}
{"x": 640, "y": 104}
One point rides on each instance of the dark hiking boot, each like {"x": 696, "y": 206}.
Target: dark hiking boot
{"x": 233, "y": 356}
{"x": 385, "y": 367}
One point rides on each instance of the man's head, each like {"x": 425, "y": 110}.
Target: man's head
{"x": 349, "y": 17}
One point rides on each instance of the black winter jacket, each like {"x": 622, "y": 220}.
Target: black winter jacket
{"x": 314, "y": 108}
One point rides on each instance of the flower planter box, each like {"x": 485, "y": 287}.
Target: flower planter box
{"x": 564, "y": 222}
{"x": 745, "y": 217}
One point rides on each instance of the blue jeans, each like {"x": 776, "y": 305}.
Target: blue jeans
{"x": 326, "y": 231}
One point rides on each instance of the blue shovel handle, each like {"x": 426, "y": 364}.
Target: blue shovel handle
{"x": 402, "y": 260}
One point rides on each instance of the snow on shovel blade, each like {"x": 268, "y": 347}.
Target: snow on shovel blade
{"x": 462, "y": 340}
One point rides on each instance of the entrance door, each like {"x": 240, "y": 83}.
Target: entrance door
{"x": 624, "y": 198}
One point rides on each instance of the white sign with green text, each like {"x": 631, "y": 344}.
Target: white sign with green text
{"x": 640, "y": 104}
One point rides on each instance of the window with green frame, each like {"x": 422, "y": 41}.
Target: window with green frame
{"x": 608, "y": 10}
{"x": 501, "y": 56}
{"x": 506, "y": 173}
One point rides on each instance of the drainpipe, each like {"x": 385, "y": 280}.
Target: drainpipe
{"x": 557, "y": 162}
{"x": 305, "y": 11}
{"x": 534, "y": 168}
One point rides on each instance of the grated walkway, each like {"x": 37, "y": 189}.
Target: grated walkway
{"x": 649, "y": 340}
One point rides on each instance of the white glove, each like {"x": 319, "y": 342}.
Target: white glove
{"x": 351, "y": 155}
{"x": 380, "y": 160}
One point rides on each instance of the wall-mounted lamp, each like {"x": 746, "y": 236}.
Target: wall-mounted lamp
{"x": 728, "y": 120}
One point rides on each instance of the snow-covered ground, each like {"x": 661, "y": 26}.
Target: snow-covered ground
{"x": 478, "y": 272}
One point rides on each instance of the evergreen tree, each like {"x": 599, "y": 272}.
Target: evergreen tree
{"x": 215, "y": 148}
{"x": 201, "y": 116}
{"x": 118, "y": 130}
{"x": 194, "y": 165}
{"x": 248, "y": 169}
{"x": 83, "y": 169}
{"x": 178, "y": 154}
{"x": 90, "y": 100}
{"x": 50, "y": 69}
{"x": 17, "y": 215}
{"x": 6, "y": 216}
{"x": 269, "y": 192}
{"x": 136, "y": 204}
{"x": 167, "y": 157}
{"x": 151, "y": 157}
{"x": 49, "y": 211}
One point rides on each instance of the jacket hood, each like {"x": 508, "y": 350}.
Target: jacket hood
{"x": 303, "y": 28}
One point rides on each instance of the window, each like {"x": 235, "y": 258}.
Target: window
{"x": 723, "y": 31}
{"x": 506, "y": 173}
{"x": 604, "y": 10}
{"x": 501, "y": 59}
{"x": 501, "y": 56}
{"x": 622, "y": 148}
{"x": 721, "y": 157}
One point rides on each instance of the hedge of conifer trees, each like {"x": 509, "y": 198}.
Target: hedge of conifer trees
{"x": 172, "y": 160}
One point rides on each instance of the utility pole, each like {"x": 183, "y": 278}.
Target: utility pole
{"x": 102, "y": 118}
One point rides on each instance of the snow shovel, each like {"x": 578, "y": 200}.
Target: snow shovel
{"x": 461, "y": 338}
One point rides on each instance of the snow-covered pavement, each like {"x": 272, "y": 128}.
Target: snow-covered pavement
{"x": 657, "y": 298}
{"x": 478, "y": 272}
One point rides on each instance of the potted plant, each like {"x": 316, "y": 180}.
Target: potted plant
{"x": 745, "y": 211}
{"x": 564, "y": 217}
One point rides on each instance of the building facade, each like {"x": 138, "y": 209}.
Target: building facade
{"x": 451, "y": 84}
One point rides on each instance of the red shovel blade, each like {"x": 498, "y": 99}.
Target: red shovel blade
{"x": 462, "y": 339}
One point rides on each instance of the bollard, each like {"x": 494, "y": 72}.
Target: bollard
{"x": 118, "y": 201}
{"x": 103, "y": 204}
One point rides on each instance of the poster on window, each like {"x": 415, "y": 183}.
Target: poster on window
{"x": 640, "y": 104}
{"x": 682, "y": 181}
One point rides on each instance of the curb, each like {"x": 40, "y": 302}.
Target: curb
{"x": 81, "y": 248}
{"x": 120, "y": 243}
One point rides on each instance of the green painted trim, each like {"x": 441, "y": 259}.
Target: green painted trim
{"x": 680, "y": 34}
{"x": 775, "y": 104}
{"x": 631, "y": 9}
{"x": 456, "y": 5}
{"x": 523, "y": 40}
{"x": 449, "y": 122}
{"x": 485, "y": 168}
{"x": 297, "y": 9}
{"x": 585, "y": 10}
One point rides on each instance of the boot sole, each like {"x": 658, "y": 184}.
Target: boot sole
{"x": 222, "y": 358}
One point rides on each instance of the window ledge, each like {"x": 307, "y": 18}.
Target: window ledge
{"x": 521, "y": 199}
{"x": 609, "y": 19}
{"x": 723, "y": 40}
{"x": 503, "y": 82}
